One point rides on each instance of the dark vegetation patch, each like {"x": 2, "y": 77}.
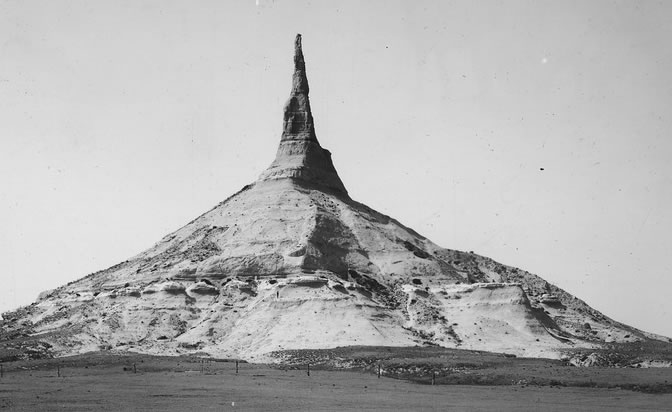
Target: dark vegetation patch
{"x": 341, "y": 289}
{"x": 416, "y": 250}
{"x": 96, "y": 362}
{"x": 367, "y": 282}
{"x": 421, "y": 365}
{"x": 421, "y": 293}
{"x": 465, "y": 367}
{"x": 627, "y": 354}
{"x": 370, "y": 287}
{"x": 24, "y": 348}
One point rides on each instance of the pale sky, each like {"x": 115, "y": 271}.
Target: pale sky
{"x": 536, "y": 133}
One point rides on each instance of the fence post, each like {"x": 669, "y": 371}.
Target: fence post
{"x": 58, "y": 370}
{"x": 236, "y": 365}
{"x": 379, "y": 371}
{"x": 308, "y": 370}
{"x": 134, "y": 369}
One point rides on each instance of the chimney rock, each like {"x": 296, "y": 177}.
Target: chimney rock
{"x": 300, "y": 156}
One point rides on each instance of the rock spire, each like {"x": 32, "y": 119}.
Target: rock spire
{"x": 291, "y": 262}
{"x": 298, "y": 118}
{"x": 300, "y": 156}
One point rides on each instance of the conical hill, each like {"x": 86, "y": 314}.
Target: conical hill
{"x": 291, "y": 262}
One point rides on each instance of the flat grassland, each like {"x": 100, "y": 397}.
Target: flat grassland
{"x": 141, "y": 382}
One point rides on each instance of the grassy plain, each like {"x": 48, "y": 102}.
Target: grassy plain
{"x": 110, "y": 382}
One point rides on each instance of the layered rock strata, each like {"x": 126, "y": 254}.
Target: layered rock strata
{"x": 300, "y": 156}
{"x": 291, "y": 262}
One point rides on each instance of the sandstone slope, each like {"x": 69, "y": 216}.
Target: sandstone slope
{"x": 292, "y": 262}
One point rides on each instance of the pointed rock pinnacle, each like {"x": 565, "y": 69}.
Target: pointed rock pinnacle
{"x": 298, "y": 119}
{"x": 300, "y": 81}
{"x": 300, "y": 156}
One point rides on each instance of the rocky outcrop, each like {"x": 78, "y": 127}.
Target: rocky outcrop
{"x": 298, "y": 118}
{"x": 300, "y": 156}
{"x": 291, "y": 262}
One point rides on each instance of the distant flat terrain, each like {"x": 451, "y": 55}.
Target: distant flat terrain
{"x": 109, "y": 382}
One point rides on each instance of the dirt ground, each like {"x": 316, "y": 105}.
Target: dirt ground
{"x": 110, "y": 383}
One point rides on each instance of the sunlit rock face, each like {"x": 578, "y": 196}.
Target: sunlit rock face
{"x": 291, "y": 262}
{"x": 300, "y": 157}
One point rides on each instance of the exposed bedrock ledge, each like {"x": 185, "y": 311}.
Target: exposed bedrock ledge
{"x": 306, "y": 161}
{"x": 300, "y": 156}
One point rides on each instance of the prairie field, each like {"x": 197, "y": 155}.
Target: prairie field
{"x": 141, "y": 382}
